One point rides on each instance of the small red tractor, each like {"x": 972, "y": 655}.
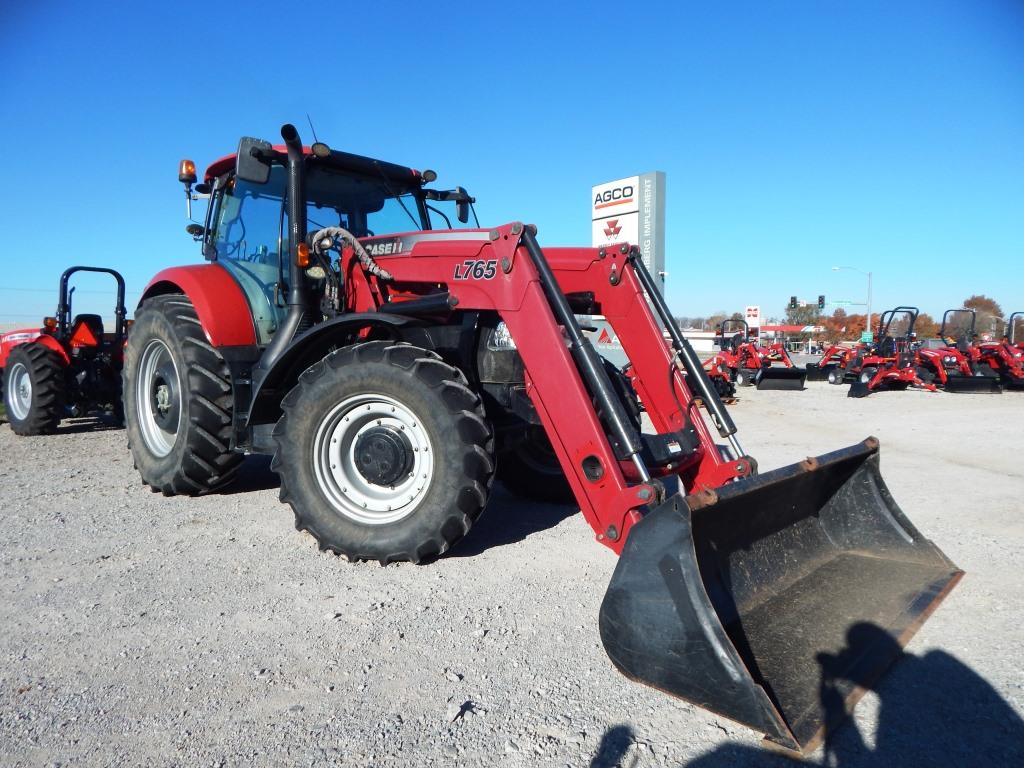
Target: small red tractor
{"x": 1015, "y": 330}
{"x": 749, "y": 363}
{"x": 891, "y": 361}
{"x": 1003, "y": 358}
{"x": 392, "y": 371}
{"x": 952, "y": 361}
{"x": 69, "y": 367}
{"x": 834, "y": 361}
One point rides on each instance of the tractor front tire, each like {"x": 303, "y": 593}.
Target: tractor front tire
{"x": 178, "y": 400}
{"x": 384, "y": 453}
{"x": 34, "y": 389}
{"x": 745, "y": 377}
{"x": 836, "y": 375}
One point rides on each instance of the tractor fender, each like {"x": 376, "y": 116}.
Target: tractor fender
{"x": 316, "y": 343}
{"x": 218, "y": 300}
{"x": 9, "y": 341}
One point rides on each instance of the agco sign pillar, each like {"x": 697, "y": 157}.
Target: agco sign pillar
{"x": 632, "y": 210}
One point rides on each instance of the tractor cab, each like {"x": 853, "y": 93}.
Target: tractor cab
{"x": 248, "y": 225}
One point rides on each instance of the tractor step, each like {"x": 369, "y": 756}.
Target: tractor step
{"x": 754, "y": 600}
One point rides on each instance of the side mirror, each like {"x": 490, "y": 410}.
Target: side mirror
{"x": 462, "y": 205}
{"x": 252, "y": 163}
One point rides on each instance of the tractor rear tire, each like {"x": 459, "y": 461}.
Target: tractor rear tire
{"x": 178, "y": 401}
{"x": 531, "y": 470}
{"x": 34, "y": 389}
{"x": 384, "y": 453}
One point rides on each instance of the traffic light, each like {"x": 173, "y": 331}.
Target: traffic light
{"x": 821, "y": 301}
{"x": 792, "y": 302}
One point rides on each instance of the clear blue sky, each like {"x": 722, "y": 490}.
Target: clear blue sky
{"x": 795, "y": 135}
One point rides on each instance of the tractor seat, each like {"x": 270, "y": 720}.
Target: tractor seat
{"x": 85, "y": 325}
{"x": 888, "y": 347}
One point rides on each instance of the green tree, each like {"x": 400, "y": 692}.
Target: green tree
{"x": 806, "y": 315}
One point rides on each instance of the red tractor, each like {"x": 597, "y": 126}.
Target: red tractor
{"x": 1003, "y": 358}
{"x": 890, "y": 363}
{"x": 952, "y": 361}
{"x": 69, "y": 367}
{"x": 1015, "y": 330}
{"x": 393, "y": 370}
{"x": 833, "y": 363}
{"x": 748, "y": 363}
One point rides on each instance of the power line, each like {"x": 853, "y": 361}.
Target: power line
{"x": 51, "y": 290}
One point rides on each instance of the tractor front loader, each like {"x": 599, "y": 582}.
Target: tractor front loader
{"x": 392, "y": 374}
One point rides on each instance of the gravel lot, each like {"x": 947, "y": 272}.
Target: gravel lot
{"x": 142, "y": 630}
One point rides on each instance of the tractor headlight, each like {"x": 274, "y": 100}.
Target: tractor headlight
{"x": 949, "y": 359}
{"x": 501, "y": 338}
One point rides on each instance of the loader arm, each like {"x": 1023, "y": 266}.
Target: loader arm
{"x": 496, "y": 271}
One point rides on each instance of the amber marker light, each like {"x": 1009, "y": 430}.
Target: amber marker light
{"x": 50, "y": 323}
{"x": 302, "y": 255}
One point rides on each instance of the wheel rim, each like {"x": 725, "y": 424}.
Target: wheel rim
{"x": 19, "y": 399}
{"x": 158, "y": 398}
{"x": 339, "y": 449}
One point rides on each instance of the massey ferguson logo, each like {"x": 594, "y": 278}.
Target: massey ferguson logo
{"x": 615, "y": 196}
{"x": 612, "y": 229}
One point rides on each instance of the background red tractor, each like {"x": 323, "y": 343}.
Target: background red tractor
{"x": 833, "y": 363}
{"x": 890, "y": 363}
{"x": 392, "y": 371}
{"x": 69, "y": 367}
{"x": 952, "y": 361}
{"x": 1015, "y": 330}
{"x": 750, "y": 363}
{"x": 1003, "y": 358}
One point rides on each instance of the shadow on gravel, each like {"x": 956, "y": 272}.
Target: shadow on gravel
{"x": 933, "y": 710}
{"x": 613, "y": 747}
{"x": 254, "y": 475}
{"x": 508, "y": 519}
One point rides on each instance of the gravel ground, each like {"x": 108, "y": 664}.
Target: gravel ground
{"x": 142, "y": 630}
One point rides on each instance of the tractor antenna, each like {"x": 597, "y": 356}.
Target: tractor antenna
{"x": 311, "y": 128}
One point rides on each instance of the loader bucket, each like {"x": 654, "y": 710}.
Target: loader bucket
{"x": 752, "y": 600}
{"x": 859, "y": 389}
{"x": 777, "y": 377}
{"x": 983, "y": 385}
{"x": 817, "y": 372}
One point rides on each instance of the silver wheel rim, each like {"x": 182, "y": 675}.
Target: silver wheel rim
{"x": 334, "y": 460}
{"x": 20, "y": 397}
{"x": 155, "y": 395}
